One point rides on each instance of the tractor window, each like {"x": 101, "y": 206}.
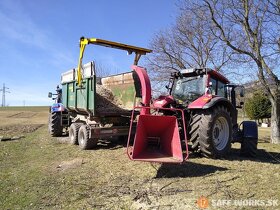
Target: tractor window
{"x": 221, "y": 89}
{"x": 218, "y": 87}
{"x": 214, "y": 86}
{"x": 188, "y": 88}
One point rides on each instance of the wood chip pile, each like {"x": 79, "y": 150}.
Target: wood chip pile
{"x": 106, "y": 102}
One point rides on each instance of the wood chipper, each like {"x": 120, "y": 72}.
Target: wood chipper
{"x": 200, "y": 113}
{"x": 92, "y": 107}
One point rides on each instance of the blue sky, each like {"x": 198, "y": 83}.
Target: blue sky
{"x": 39, "y": 39}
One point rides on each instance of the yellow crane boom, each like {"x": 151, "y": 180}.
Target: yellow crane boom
{"x": 129, "y": 48}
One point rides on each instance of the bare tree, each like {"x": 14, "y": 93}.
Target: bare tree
{"x": 251, "y": 29}
{"x": 103, "y": 70}
{"x": 189, "y": 43}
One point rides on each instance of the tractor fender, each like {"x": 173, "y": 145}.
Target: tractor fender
{"x": 249, "y": 129}
{"x": 202, "y": 103}
{"x": 206, "y": 102}
{"x": 218, "y": 101}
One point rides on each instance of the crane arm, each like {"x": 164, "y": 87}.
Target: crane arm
{"x": 129, "y": 48}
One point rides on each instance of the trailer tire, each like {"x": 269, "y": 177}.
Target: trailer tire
{"x": 211, "y": 132}
{"x": 85, "y": 142}
{"x": 249, "y": 147}
{"x": 55, "y": 127}
{"x": 73, "y": 133}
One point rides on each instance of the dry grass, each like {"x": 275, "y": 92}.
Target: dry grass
{"x": 41, "y": 172}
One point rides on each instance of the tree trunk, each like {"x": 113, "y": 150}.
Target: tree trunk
{"x": 275, "y": 121}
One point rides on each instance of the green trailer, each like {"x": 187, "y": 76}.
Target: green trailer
{"x": 89, "y": 107}
{"x": 99, "y": 108}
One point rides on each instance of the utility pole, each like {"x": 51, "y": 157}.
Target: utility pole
{"x": 4, "y": 91}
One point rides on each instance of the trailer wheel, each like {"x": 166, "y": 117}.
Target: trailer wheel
{"x": 55, "y": 127}
{"x": 73, "y": 133}
{"x": 83, "y": 138}
{"x": 211, "y": 132}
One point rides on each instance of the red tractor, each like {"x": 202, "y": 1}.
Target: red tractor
{"x": 200, "y": 113}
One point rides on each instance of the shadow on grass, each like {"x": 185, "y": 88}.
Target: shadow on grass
{"x": 262, "y": 156}
{"x": 186, "y": 169}
{"x": 112, "y": 144}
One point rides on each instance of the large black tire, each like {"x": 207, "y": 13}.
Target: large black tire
{"x": 55, "y": 127}
{"x": 210, "y": 132}
{"x": 83, "y": 138}
{"x": 249, "y": 147}
{"x": 73, "y": 133}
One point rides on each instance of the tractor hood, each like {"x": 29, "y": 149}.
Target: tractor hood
{"x": 163, "y": 101}
{"x": 200, "y": 102}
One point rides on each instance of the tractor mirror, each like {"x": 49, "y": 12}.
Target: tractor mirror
{"x": 50, "y": 95}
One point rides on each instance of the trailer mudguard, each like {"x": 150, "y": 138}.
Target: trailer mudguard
{"x": 249, "y": 129}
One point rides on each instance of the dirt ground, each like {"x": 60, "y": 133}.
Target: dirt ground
{"x": 41, "y": 172}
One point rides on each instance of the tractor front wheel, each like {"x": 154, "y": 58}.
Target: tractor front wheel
{"x": 83, "y": 138}
{"x": 55, "y": 127}
{"x": 211, "y": 132}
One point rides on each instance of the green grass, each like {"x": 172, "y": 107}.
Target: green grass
{"x": 40, "y": 172}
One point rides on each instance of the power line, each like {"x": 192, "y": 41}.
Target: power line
{"x": 4, "y": 91}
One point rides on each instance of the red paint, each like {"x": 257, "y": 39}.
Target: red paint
{"x": 200, "y": 102}
{"x": 152, "y": 128}
{"x": 163, "y": 101}
{"x": 145, "y": 87}
{"x": 218, "y": 76}
{"x": 158, "y": 142}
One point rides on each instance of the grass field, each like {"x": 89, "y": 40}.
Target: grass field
{"x": 41, "y": 172}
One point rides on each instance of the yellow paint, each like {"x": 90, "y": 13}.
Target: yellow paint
{"x": 129, "y": 48}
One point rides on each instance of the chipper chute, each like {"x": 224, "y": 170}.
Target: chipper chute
{"x": 157, "y": 137}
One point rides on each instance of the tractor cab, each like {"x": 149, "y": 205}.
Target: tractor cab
{"x": 193, "y": 83}
{"x": 189, "y": 85}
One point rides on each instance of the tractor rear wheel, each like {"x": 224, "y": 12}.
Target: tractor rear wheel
{"x": 211, "y": 132}
{"x": 55, "y": 127}
{"x": 83, "y": 138}
{"x": 73, "y": 133}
